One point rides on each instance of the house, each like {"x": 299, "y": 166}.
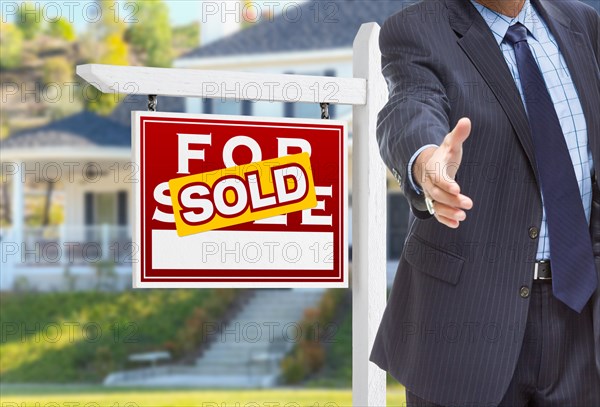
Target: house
{"x": 87, "y": 160}
{"x": 316, "y": 40}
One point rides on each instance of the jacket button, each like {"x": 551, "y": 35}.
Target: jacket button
{"x": 533, "y": 232}
{"x": 524, "y": 292}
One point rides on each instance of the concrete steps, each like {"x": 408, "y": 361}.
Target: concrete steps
{"x": 254, "y": 342}
{"x": 246, "y": 353}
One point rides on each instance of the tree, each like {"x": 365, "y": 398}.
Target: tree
{"x": 29, "y": 19}
{"x": 58, "y": 70}
{"x": 250, "y": 13}
{"x": 5, "y": 220}
{"x": 47, "y": 203}
{"x": 111, "y": 22}
{"x": 4, "y": 126}
{"x": 186, "y": 37}
{"x": 112, "y": 49}
{"x": 11, "y": 46}
{"x": 115, "y": 53}
{"x": 58, "y": 75}
{"x": 151, "y": 36}
{"x": 61, "y": 28}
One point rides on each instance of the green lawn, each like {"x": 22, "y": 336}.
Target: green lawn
{"x": 29, "y": 395}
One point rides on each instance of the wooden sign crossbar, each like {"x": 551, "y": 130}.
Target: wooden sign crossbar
{"x": 224, "y": 84}
{"x": 367, "y": 92}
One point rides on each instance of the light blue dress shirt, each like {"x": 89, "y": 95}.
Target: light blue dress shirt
{"x": 562, "y": 91}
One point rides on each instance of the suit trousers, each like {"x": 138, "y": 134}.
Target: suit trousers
{"x": 556, "y": 365}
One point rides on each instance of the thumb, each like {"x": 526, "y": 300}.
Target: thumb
{"x": 457, "y": 137}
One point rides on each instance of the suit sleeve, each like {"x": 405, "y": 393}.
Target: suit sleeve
{"x": 595, "y": 216}
{"x": 595, "y": 34}
{"x": 417, "y": 111}
{"x": 598, "y": 39}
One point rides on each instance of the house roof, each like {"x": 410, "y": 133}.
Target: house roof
{"x": 328, "y": 25}
{"x": 335, "y": 26}
{"x": 86, "y": 129}
{"x": 82, "y": 129}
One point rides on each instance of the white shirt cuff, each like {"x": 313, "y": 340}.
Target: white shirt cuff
{"x": 410, "y": 165}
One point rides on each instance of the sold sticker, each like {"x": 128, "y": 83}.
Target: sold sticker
{"x": 236, "y": 195}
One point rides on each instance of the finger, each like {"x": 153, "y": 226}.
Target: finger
{"x": 449, "y": 212}
{"x": 459, "y": 134}
{"x": 451, "y": 223}
{"x": 450, "y": 199}
{"x": 444, "y": 182}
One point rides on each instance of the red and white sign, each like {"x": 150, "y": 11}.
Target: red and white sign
{"x": 203, "y": 156}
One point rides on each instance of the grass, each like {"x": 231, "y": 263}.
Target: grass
{"x": 29, "y": 395}
{"x": 82, "y": 336}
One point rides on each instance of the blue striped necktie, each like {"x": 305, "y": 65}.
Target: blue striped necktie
{"x": 574, "y": 277}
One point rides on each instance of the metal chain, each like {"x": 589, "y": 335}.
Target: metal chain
{"x": 152, "y": 102}
{"x": 325, "y": 111}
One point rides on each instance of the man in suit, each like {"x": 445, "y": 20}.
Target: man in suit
{"x": 493, "y": 130}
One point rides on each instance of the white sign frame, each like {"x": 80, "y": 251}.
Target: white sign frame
{"x": 138, "y": 204}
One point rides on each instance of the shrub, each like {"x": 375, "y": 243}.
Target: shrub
{"x": 11, "y": 46}
{"x": 314, "y": 355}
{"x": 293, "y": 368}
{"x": 308, "y": 356}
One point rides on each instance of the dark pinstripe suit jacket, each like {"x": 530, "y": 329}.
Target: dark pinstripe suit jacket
{"x": 453, "y": 326}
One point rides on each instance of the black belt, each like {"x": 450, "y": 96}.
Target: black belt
{"x": 542, "y": 270}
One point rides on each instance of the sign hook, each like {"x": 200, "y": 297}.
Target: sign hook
{"x": 152, "y": 102}
{"x": 324, "y": 111}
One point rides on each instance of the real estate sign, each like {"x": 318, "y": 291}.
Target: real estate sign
{"x": 237, "y": 201}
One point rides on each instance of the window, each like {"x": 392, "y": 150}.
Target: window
{"x": 266, "y": 108}
{"x": 226, "y": 106}
{"x": 105, "y": 208}
{"x": 309, "y": 110}
{"x": 108, "y": 208}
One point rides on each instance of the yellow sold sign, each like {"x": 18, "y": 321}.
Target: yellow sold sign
{"x": 217, "y": 199}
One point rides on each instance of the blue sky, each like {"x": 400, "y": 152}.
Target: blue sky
{"x": 184, "y": 11}
{"x": 180, "y": 11}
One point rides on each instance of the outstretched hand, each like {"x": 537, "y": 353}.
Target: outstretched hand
{"x": 435, "y": 171}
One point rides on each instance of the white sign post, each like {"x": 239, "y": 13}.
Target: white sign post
{"x": 368, "y": 223}
{"x": 367, "y": 93}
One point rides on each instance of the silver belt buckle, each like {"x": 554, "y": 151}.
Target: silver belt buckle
{"x": 536, "y": 270}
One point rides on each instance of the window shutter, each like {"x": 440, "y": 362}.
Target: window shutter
{"x": 122, "y": 208}
{"x": 288, "y": 107}
{"x": 247, "y": 107}
{"x": 207, "y": 106}
{"x": 88, "y": 208}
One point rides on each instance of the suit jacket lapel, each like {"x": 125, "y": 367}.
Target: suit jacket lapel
{"x": 582, "y": 67}
{"x": 478, "y": 43}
